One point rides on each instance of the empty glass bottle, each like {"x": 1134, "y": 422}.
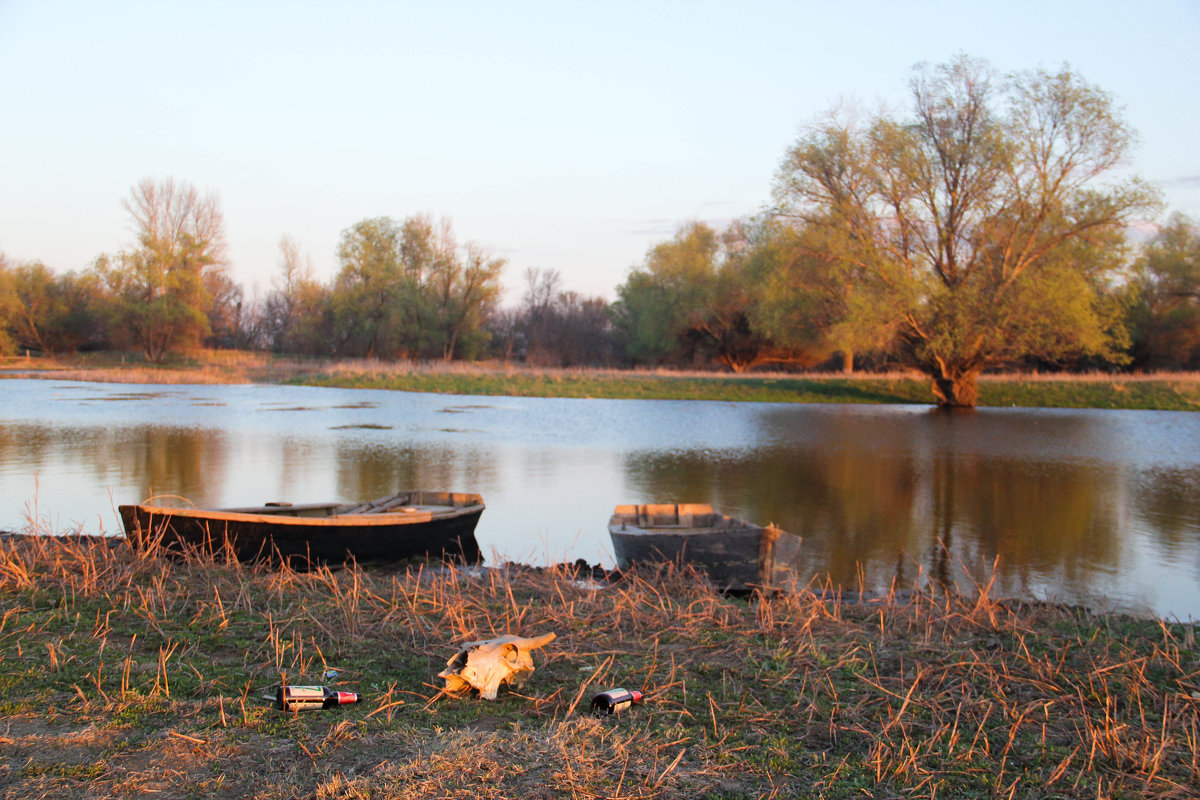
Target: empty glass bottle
{"x": 614, "y": 701}
{"x": 307, "y": 698}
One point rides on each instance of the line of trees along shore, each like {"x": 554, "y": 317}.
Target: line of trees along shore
{"x": 982, "y": 227}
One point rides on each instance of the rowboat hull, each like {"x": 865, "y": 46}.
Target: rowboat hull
{"x": 737, "y": 556}
{"x": 409, "y": 525}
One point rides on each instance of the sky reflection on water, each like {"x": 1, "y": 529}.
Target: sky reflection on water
{"x": 1082, "y": 506}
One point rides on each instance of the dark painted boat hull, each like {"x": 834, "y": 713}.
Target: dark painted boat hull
{"x": 736, "y": 556}
{"x": 318, "y": 533}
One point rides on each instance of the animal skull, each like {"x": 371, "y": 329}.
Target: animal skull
{"x": 488, "y": 664}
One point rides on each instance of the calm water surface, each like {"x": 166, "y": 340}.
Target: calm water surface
{"x": 1096, "y": 507}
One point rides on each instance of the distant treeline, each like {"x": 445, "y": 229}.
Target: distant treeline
{"x": 969, "y": 233}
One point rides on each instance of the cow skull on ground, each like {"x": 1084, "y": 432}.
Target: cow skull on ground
{"x": 486, "y": 665}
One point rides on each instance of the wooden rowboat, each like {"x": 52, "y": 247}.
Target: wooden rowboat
{"x": 410, "y": 524}
{"x": 737, "y": 556}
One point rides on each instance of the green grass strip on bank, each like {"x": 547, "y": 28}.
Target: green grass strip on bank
{"x": 635, "y": 386}
{"x": 1158, "y": 394}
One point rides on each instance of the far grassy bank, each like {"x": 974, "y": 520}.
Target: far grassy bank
{"x": 1161, "y": 391}
{"x": 1167, "y": 393}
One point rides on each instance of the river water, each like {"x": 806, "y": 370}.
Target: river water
{"x": 1094, "y": 507}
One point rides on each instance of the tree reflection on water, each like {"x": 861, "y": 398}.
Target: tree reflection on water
{"x": 883, "y": 500}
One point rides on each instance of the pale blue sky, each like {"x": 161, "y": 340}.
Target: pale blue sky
{"x": 566, "y": 136}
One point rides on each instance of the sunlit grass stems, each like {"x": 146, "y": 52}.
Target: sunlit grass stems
{"x": 124, "y": 674}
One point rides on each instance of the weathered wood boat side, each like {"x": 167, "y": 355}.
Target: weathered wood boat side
{"x": 406, "y": 525}
{"x": 736, "y": 555}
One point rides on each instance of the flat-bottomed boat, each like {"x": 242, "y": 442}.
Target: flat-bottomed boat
{"x": 411, "y": 524}
{"x": 737, "y": 556}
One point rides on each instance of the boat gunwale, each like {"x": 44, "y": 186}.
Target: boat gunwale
{"x": 282, "y": 518}
{"x": 633, "y": 519}
{"x": 620, "y": 528}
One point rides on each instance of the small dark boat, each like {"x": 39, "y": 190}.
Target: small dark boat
{"x": 410, "y": 524}
{"x": 737, "y": 556}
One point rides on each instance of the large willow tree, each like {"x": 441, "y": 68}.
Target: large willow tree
{"x": 978, "y": 220}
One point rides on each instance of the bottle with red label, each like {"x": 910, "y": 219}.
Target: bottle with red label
{"x": 309, "y": 698}
{"x": 614, "y": 701}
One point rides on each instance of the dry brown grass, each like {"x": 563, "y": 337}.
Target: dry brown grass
{"x": 200, "y": 367}
{"x": 127, "y": 674}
